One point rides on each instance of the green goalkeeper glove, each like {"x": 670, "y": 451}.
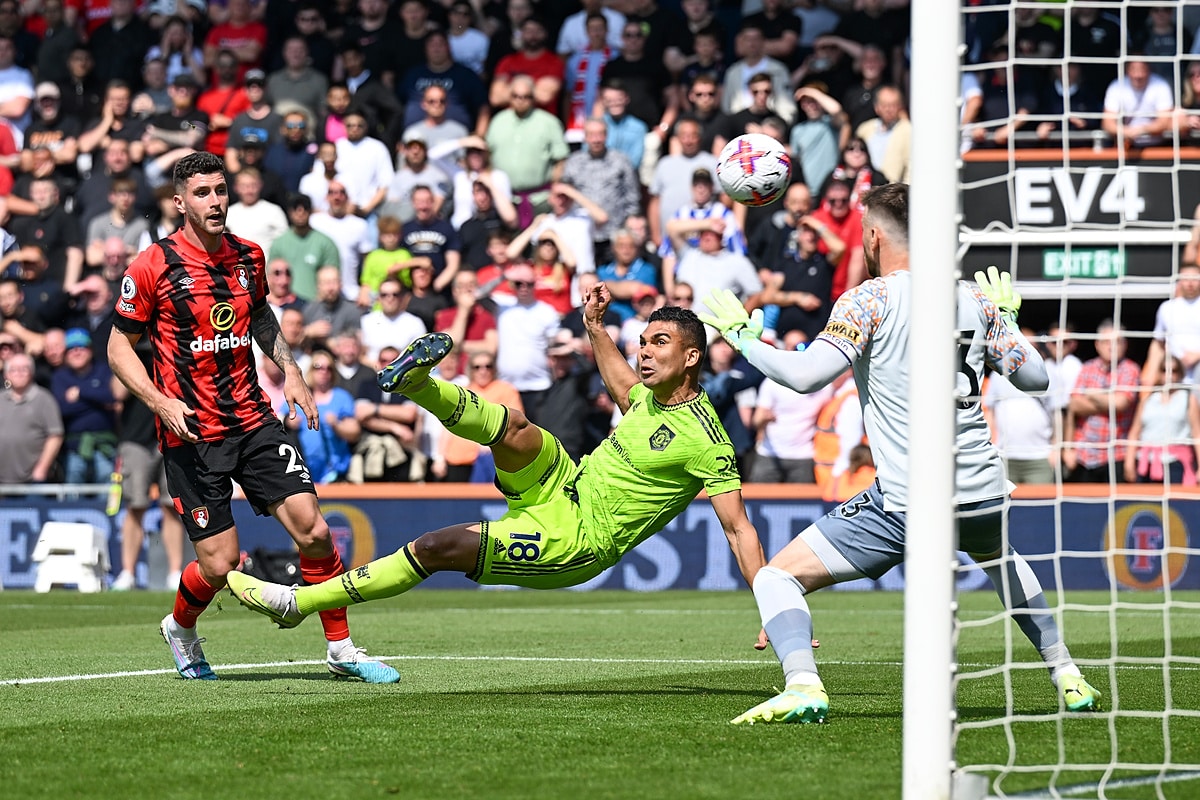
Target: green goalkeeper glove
{"x": 730, "y": 318}
{"x": 997, "y": 287}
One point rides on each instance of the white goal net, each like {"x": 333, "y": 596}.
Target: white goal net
{"x": 1093, "y": 215}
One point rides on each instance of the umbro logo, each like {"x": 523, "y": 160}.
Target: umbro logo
{"x": 186, "y": 283}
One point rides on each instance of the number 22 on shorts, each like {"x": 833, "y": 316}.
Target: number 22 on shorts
{"x": 524, "y": 546}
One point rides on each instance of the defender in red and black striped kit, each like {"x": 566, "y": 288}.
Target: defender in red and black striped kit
{"x": 200, "y": 295}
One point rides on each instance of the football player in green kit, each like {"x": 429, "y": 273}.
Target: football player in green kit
{"x": 566, "y": 522}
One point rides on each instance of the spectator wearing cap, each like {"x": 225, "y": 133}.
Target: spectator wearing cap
{"x": 525, "y": 330}
{"x": 607, "y": 178}
{"x": 120, "y": 44}
{"x": 16, "y": 89}
{"x": 436, "y": 129}
{"x": 253, "y": 154}
{"x": 292, "y": 153}
{"x": 367, "y": 89}
{"x": 259, "y": 123}
{"x": 297, "y": 82}
{"x": 83, "y": 389}
{"x": 800, "y": 277}
{"x": 244, "y": 38}
{"x": 30, "y": 425}
{"x": 183, "y": 126}
{"x": 304, "y": 249}
{"x": 416, "y": 170}
{"x": 223, "y": 102}
{"x": 567, "y": 403}
{"x": 643, "y": 302}
{"x": 690, "y": 219}
{"x": 178, "y": 51}
{"x": 51, "y": 130}
{"x": 252, "y": 217}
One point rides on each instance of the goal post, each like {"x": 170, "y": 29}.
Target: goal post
{"x": 929, "y": 556}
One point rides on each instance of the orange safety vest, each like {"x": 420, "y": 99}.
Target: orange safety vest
{"x": 826, "y": 443}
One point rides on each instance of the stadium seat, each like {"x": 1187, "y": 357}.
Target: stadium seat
{"x": 71, "y": 553}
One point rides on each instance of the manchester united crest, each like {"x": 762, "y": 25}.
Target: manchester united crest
{"x": 243, "y": 279}
{"x": 200, "y": 516}
{"x": 661, "y": 438}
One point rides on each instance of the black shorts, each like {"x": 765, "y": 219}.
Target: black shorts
{"x": 265, "y": 462}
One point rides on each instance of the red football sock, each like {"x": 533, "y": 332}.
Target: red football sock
{"x": 192, "y": 597}
{"x": 319, "y": 570}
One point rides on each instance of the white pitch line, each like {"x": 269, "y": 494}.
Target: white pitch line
{"x": 1080, "y": 789}
{"x": 730, "y": 662}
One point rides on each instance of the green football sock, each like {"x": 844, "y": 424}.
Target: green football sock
{"x": 463, "y": 412}
{"x": 383, "y": 577}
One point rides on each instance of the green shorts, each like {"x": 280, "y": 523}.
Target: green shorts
{"x": 539, "y": 543}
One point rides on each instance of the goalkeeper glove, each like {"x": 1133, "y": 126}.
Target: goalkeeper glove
{"x": 730, "y": 318}
{"x": 997, "y": 287}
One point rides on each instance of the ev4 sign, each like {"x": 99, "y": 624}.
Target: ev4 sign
{"x": 1087, "y": 195}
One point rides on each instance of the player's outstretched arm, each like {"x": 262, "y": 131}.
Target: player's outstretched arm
{"x": 615, "y": 371}
{"x": 265, "y": 329}
{"x": 129, "y": 370}
{"x": 741, "y": 533}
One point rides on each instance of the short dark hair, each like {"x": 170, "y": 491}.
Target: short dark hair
{"x": 888, "y": 203}
{"x": 195, "y": 164}
{"x": 688, "y": 324}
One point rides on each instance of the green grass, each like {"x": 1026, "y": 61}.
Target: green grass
{"x": 524, "y": 694}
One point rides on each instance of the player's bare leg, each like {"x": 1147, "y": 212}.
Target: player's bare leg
{"x": 320, "y": 561}
{"x": 216, "y": 555}
{"x": 779, "y": 590}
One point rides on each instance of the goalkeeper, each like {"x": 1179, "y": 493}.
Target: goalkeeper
{"x": 869, "y": 332}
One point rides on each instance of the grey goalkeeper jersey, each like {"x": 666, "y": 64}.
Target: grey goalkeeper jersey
{"x": 869, "y": 327}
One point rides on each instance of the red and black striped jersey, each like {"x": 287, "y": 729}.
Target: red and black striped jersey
{"x": 196, "y": 308}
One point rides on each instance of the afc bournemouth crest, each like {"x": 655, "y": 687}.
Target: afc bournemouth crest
{"x": 200, "y": 516}
{"x": 661, "y": 438}
{"x": 243, "y": 279}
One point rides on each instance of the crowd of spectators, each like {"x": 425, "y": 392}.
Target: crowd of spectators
{"x": 470, "y": 166}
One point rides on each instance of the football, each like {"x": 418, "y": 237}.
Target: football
{"x": 754, "y": 169}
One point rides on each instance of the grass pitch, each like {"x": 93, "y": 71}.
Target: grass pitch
{"x": 525, "y": 694}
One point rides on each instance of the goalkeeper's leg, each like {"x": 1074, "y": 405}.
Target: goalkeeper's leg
{"x": 1021, "y": 592}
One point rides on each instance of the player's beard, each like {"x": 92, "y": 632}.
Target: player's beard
{"x": 206, "y": 223}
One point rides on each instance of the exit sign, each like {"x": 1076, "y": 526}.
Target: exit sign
{"x": 1083, "y": 262}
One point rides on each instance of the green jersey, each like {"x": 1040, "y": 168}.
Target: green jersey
{"x": 650, "y": 468}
